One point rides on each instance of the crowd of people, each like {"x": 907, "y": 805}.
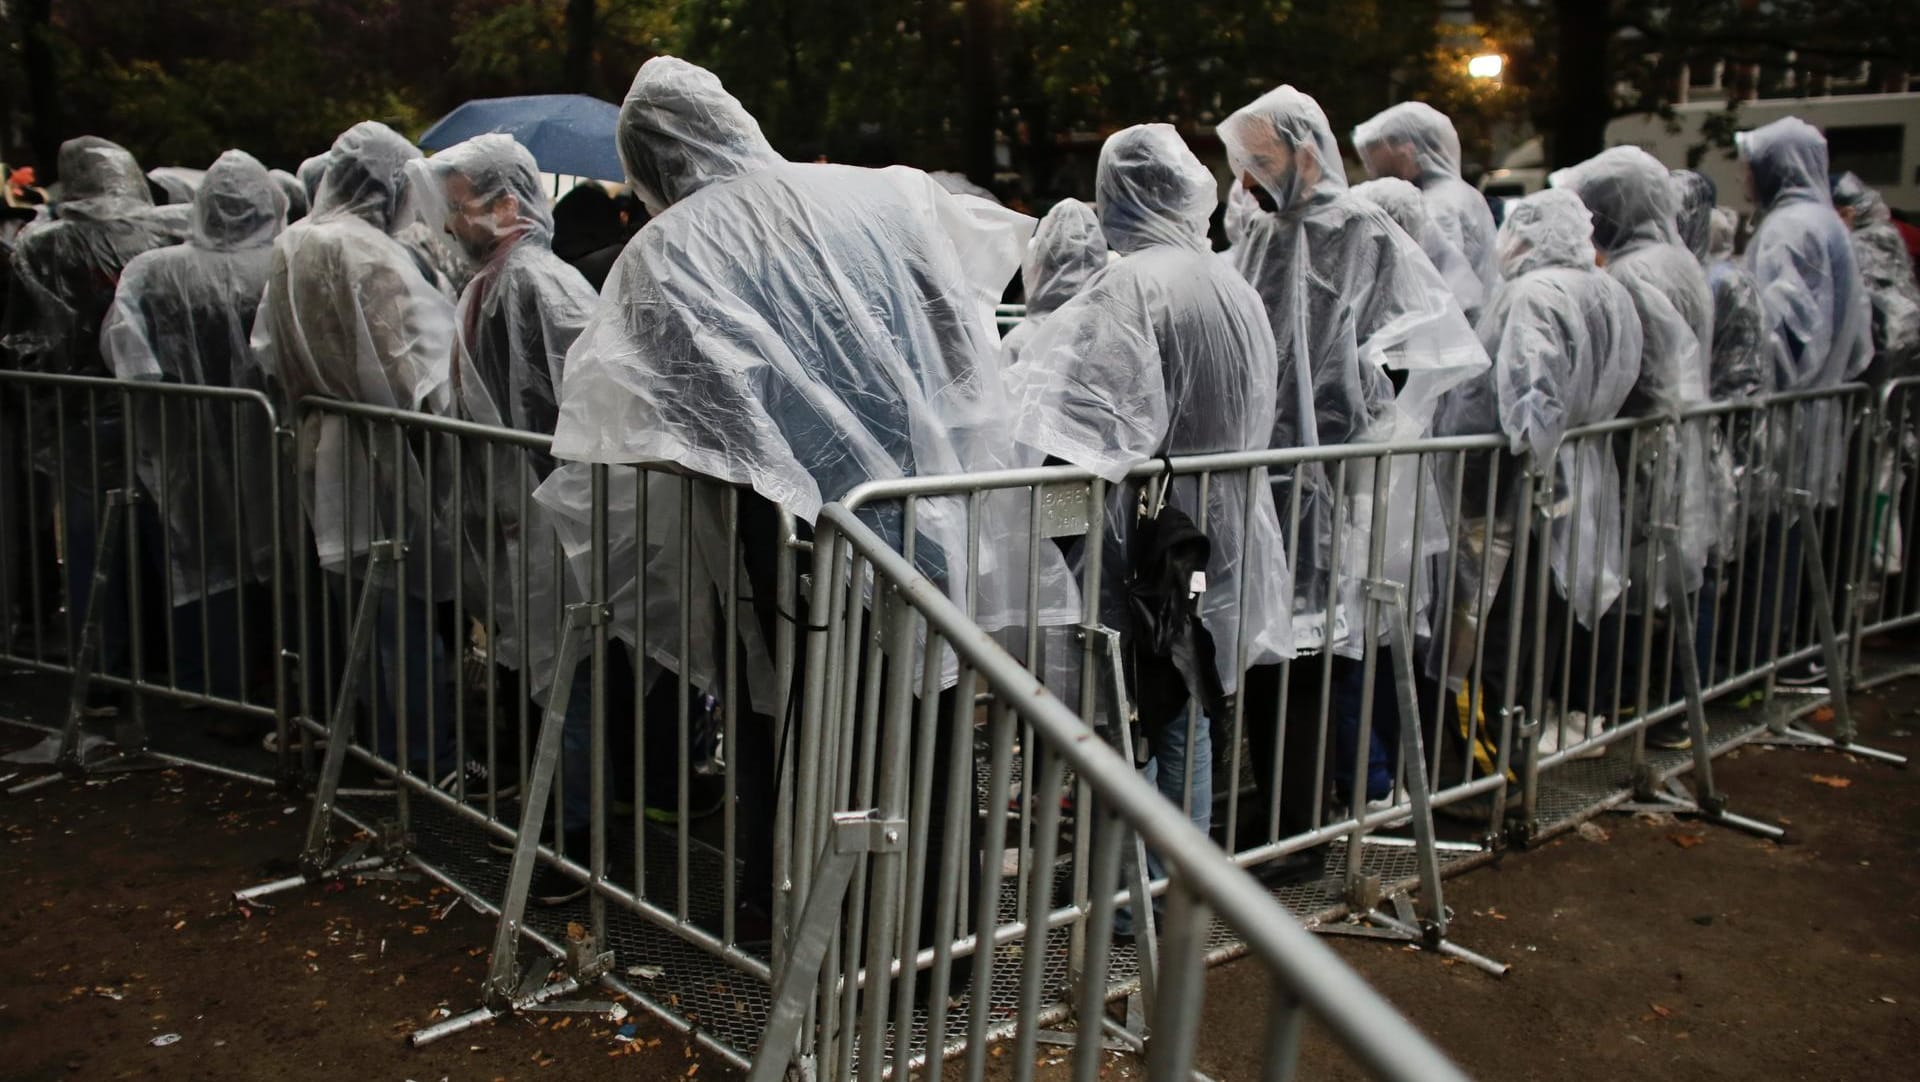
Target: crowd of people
{"x": 798, "y": 329}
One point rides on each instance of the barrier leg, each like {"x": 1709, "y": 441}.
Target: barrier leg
{"x": 1404, "y": 925}
{"x": 508, "y": 986}
{"x": 1814, "y": 564}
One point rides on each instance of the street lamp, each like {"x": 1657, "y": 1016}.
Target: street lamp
{"x": 1486, "y": 66}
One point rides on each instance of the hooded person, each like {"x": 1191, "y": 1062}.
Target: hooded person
{"x": 1350, "y": 298}
{"x": 310, "y": 172}
{"x": 514, "y": 323}
{"x": 1820, "y": 326}
{"x": 588, "y": 233}
{"x": 347, "y": 313}
{"x": 1168, "y": 352}
{"x": 1067, "y": 250}
{"x": 1403, "y": 203}
{"x": 1417, "y": 143}
{"x": 62, "y": 277}
{"x": 797, "y": 330}
{"x": 183, "y": 314}
{"x": 1887, "y": 272}
{"x": 1565, "y": 341}
{"x": 1635, "y": 207}
{"x": 1819, "y": 316}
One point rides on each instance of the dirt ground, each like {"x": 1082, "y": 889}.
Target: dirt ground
{"x": 1644, "y": 949}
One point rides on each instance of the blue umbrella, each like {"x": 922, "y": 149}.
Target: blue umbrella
{"x": 567, "y": 133}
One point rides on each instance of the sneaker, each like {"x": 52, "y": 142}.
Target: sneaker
{"x": 1295, "y": 868}
{"x": 270, "y": 743}
{"x": 1804, "y": 675}
{"x": 552, "y": 887}
{"x": 1670, "y": 736}
{"x": 1578, "y": 729}
{"x": 476, "y": 777}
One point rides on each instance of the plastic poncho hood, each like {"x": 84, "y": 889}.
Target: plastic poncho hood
{"x": 1068, "y": 249}
{"x": 1887, "y": 272}
{"x": 238, "y": 205}
{"x": 1693, "y": 218}
{"x": 1787, "y": 160}
{"x": 680, "y": 131}
{"x": 1550, "y": 228}
{"x": 366, "y": 176}
{"x": 1282, "y": 142}
{"x": 1151, "y": 191}
{"x": 100, "y": 181}
{"x": 1168, "y": 352}
{"x": 486, "y": 190}
{"x": 1404, "y": 204}
{"x": 1630, "y": 195}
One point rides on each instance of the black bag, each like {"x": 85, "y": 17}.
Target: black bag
{"x": 1173, "y": 655}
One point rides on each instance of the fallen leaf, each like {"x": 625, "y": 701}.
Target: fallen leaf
{"x": 1686, "y": 841}
{"x": 1831, "y": 781}
{"x": 1664, "y": 1012}
{"x": 1822, "y": 716}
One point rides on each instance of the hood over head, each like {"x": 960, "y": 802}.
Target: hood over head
{"x": 100, "y": 180}
{"x": 295, "y": 192}
{"x": 1629, "y": 194}
{"x": 1788, "y": 159}
{"x": 1412, "y": 141}
{"x": 239, "y": 205}
{"x": 1151, "y": 190}
{"x": 1067, "y": 250}
{"x": 680, "y": 131}
{"x": 1696, "y": 195}
{"x": 473, "y": 181}
{"x": 366, "y": 176}
{"x": 1852, "y": 193}
{"x": 1723, "y": 228}
{"x": 1283, "y": 142}
{"x": 1550, "y": 228}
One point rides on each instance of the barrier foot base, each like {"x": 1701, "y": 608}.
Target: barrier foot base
{"x": 1675, "y": 800}
{"x": 79, "y": 763}
{"x": 1405, "y": 927}
{"x": 1114, "y": 1037}
{"x": 535, "y": 993}
{"x": 357, "y": 862}
{"x": 1793, "y": 736}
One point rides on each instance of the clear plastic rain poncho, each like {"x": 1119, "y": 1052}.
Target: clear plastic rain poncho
{"x": 295, "y": 192}
{"x": 1635, "y": 207}
{"x": 183, "y": 314}
{"x": 1415, "y": 142}
{"x": 178, "y": 182}
{"x": 347, "y": 313}
{"x": 1565, "y": 342}
{"x": 1403, "y": 204}
{"x": 1068, "y": 249}
{"x": 64, "y": 271}
{"x": 1818, "y": 314}
{"x": 1167, "y": 353}
{"x": 310, "y": 173}
{"x": 799, "y": 329}
{"x": 1887, "y": 271}
{"x": 513, "y": 326}
{"x": 1349, "y": 295}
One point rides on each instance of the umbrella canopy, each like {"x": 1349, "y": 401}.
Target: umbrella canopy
{"x": 570, "y": 134}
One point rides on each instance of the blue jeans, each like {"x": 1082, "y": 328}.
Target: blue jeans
{"x": 1349, "y": 685}
{"x": 1172, "y": 762}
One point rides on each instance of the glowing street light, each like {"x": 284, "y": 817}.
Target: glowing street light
{"x": 1486, "y": 66}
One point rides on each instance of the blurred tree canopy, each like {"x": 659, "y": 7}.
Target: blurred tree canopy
{"x": 988, "y": 87}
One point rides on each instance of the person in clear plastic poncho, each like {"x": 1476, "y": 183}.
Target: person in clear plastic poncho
{"x": 183, "y": 314}
{"x": 1887, "y": 272}
{"x": 348, "y": 314}
{"x": 1819, "y": 317}
{"x": 60, "y": 286}
{"x": 1403, "y": 204}
{"x": 1349, "y": 297}
{"x": 1168, "y": 352}
{"x": 1417, "y": 143}
{"x": 796, "y": 329}
{"x": 1634, "y": 207}
{"x": 1068, "y": 249}
{"x": 1566, "y": 345}
{"x": 514, "y": 323}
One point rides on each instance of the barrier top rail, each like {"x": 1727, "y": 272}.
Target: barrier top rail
{"x": 1366, "y": 1025}
{"x": 143, "y": 386}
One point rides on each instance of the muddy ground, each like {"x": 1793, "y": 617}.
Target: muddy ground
{"x": 1644, "y": 948}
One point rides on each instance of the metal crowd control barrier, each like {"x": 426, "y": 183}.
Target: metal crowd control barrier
{"x": 141, "y": 556}
{"x": 1887, "y": 595}
{"x": 860, "y": 917}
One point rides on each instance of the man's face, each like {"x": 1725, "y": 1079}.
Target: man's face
{"x": 1266, "y": 159}
{"x": 475, "y": 221}
{"x": 1390, "y": 159}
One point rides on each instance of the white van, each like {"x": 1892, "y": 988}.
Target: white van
{"x": 1874, "y": 135}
